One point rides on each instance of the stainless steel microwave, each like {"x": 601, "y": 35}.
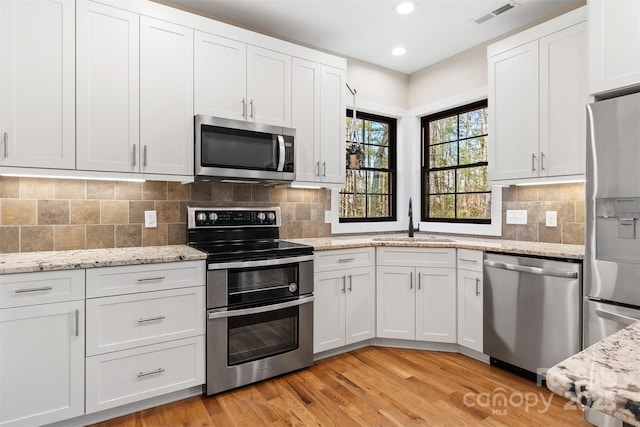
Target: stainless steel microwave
{"x": 243, "y": 151}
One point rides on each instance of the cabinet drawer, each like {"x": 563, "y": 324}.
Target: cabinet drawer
{"x": 18, "y": 290}
{"x": 470, "y": 260}
{"x": 128, "y": 376}
{"x": 344, "y": 258}
{"x": 417, "y": 257}
{"x": 129, "y": 279}
{"x": 127, "y": 321}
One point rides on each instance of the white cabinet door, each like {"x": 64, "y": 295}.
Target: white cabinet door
{"x": 614, "y": 44}
{"x": 305, "y": 118}
{"x": 332, "y": 134}
{"x": 108, "y": 85}
{"x": 41, "y": 363}
{"x": 166, "y": 97}
{"x": 360, "y": 310}
{"x": 513, "y": 113}
{"x": 436, "y": 305}
{"x": 37, "y": 83}
{"x": 395, "y": 302}
{"x": 268, "y": 87}
{"x": 220, "y": 76}
{"x": 470, "y": 309}
{"x": 329, "y": 310}
{"x": 563, "y": 96}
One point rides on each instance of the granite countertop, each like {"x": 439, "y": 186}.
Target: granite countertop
{"x": 421, "y": 240}
{"x": 604, "y": 377}
{"x": 25, "y": 262}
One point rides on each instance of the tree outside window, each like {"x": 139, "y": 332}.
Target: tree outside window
{"x": 455, "y": 185}
{"x": 368, "y": 194}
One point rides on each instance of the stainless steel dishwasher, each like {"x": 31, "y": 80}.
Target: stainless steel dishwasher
{"x": 532, "y": 311}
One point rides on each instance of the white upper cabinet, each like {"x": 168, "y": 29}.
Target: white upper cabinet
{"x": 108, "y": 82}
{"x": 614, "y": 44}
{"x": 238, "y": 81}
{"x": 537, "y": 98}
{"x": 37, "y": 83}
{"x": 166, "y": 98}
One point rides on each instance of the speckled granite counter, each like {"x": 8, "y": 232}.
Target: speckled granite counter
{"x": 25, "y": 262}
{"x": 604, "y": 377}
{"x": 428, "y": 241}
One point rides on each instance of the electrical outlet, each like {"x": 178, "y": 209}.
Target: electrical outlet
{"x": 552, "y": 219}
{"x": 517, "y": 217}
{"x": 150, "y": 219}
{"x": 327, "y": 217}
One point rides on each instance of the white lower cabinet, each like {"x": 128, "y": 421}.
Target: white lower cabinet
{"x": 470, "y": 307}
{"x": 344, "y": 290}
{"x": 41, "y": 347}
{"x": 416, "y": 302}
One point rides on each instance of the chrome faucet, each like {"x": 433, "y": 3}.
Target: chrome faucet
{"x": 410, "y": 219}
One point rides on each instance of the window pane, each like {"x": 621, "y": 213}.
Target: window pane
{"x": 473, "y": 123}
{"x": 443, "y": 130}
{"x": 473, "y": 150}
{"x": 473, "y": 179}
{"x": 442, "y": 182}
{"x": 443, "y": 155}
{"x": 376, "y": 157}
{"x": 377, "y": 133}
{"x": 474, "y": 206}
{"x": 352, "y": 206}
{"x": 378, "y": 182}
{"x": 442, "y": 206}
{"x": 378, "y": 206}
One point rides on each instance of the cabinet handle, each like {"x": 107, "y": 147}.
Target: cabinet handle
{"x": 251, "y": 110}
{"x": 151, "y": 319}
{"x": 244, "y": 108}
{"x": 350, "y": 283}
{"x": 145, "y": 374}
{"x": 133, "y": 156}
{"x": 477, "y": 286}
{"x": 346, "y": 260}
{"x": 23, "y": 291}
{"x": 324, "y": 169}
{"x": 474, "y": 261}
{"x": 533, "y": 162}
{"x": 144, "y": 156}
{"x": 344, "y": 284}
{"x": 150, "y": 279}
{"x": 318, "y": 168}
{"x": 419, "y": 281}
{"x": 411, "y": 280}
{"x": 77, "y": 320}
{"x": 541, "y": 161}
{"x": 5, "y": 143}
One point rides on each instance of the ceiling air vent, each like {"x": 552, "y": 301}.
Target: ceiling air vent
{"x": 502, "y": 9}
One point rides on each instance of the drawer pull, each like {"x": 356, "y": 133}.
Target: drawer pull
{"x": 151, "y": 319}
{"x": 151, "y": 279}
{"x": 44, "y": 288}
{"x": 469, "y": 260}
{"x": 346, "y": 259}
{"x": 146, "y": 374}
{"x": 77, "y": 322}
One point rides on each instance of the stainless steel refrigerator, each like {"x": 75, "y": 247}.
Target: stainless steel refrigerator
{"x": 612, "y": 252}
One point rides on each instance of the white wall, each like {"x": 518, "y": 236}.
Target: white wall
{"x": 377, "y": 85}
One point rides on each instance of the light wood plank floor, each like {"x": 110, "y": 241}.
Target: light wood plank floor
{"x": 375, "y": 386}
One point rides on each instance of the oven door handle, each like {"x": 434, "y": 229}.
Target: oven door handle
{"x": 260, "y": 263}
{"x": 256, "y": 310}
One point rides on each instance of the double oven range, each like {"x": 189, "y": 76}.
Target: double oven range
{"x": 259, "y": 296}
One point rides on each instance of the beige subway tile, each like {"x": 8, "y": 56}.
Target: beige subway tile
{"x": 9, "y": 187}
{"x": 154, "y": 190}
{"x": 509, "y": 232}
{"x": 67, "y": 237}
{"x": 241, "y": 192}
{"x": 136, "y": 211}
{"x": 36, "y": 238}
{"x": 114, "y": 212}
{"x": 155, "y": 236}
{"x": 53, "y": 212}
{"x": 509, "y": 194}
{"x": 70, "y": 189}
{"x": 183, "y": 210}
{"x": 295, "y": 194}
{"x": 310, "y": 229}
{"x": 128, "y": 235}
{"x": 36, "y": 188}
{"x": 288, "y": 211}
{"x": 549, "y": 193}
{"x": 259, "y": 193}
{"x": 85, "y": 211}
{"x": 565, "y": 211}
{"x": 573, "y": 233}
{"x": 128, "y": 190}
{"x": 294, "y": 230}
{"x": 573, "y": 191}
{"x": 177, "y": 234}
{"x": 303, "y": 211}
{"x": 18, "y": 212}
{"x": 100, "y": 236}
{"x": 9, "y": 239}
{"x": 312, "y": 196}
{"x": 324, "y": 230}
{"x": 580, "y": 212}
{"x": 278, "y": 194}
{"x": 549, "y": 234}
{"x": 178, "y": 191}
{"x": 317, "y": 212}
{"x": 527, "y": 193}
{"x": 101, "y": 190}
{"x": 528, "y": 233}
{"x": 201, "y": 191}
{"x": 168, "y": 211}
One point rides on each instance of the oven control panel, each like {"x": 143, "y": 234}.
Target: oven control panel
{"x": 233, "y": 217}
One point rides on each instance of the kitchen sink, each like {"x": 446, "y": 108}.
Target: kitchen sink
{"x": 412, "y": 239}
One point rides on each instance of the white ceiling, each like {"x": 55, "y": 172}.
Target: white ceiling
{"x": 368, "y": 30}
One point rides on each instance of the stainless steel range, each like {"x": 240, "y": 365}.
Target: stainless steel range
{"x": 259, "y": 296}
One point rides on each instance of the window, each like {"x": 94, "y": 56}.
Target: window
{"x": 455, "y": 186}
{"x": 368, "y": 194}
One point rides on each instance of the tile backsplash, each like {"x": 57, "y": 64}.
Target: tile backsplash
{"x": 57, "y": 214}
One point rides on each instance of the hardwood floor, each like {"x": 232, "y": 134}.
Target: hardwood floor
{"x": 375, "y": 386}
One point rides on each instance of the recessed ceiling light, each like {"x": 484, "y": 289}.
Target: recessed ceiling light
{"x": 398, "y": 51}
{"x": 405, "y": 7}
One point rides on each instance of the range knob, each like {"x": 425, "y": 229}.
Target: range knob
{"x": 271, "y": 216}
{"x": 201, "y": 216}
{"x": 261, "y": 216}
{"x": 213, "y": 216}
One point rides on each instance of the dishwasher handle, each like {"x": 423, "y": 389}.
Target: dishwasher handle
{"x": 532, "y": 270}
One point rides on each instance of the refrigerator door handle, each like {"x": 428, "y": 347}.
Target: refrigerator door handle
{"x": 625, "y": 320}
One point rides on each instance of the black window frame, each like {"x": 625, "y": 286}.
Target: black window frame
{"x": 425, "y": 169}
{"x": 392, "y": 169}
